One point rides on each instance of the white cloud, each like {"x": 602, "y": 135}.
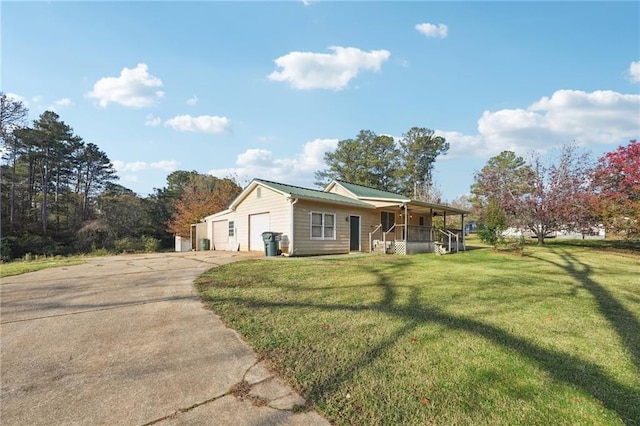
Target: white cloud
{"x": 18, "y": 98}
{"x": 166, "y": 165}
{"x": 462, "y": 145}
{"x": 634, "y": 72}
{"x": 192, "y": 101}
{"x": 203, "y": 123}
{"x": 152, "y": 121}
{"x": 134, "y": 88}
{"x": 296, "y": 170}
{"x": 334, "y": 71}
{"x": 64, "y": 102}
{"x": 256, "y": 158}
{"x": 600, "y": 117}
{"x": 138, "y": 166}
{"x": 129, "y": 178}
{"x": 433, "y": 31}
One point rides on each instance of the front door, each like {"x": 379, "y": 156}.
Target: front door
{"x": 354, "y": 233}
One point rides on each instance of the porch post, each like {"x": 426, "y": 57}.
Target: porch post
{"x": 464, "y": 242}
{"x": 406, "y": 224}
{"x": 433, "y": 234}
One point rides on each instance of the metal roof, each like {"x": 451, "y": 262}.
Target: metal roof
{"x": 362, "y": 194}
{"x": 308, "y": 194}
{"x": 366, "y": 193}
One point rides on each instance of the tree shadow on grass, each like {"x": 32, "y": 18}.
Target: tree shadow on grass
{"x": 623, "y": 322}
{"x": 562, "y": 367}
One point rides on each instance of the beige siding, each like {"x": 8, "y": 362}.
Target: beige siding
{"x": 271, "y": 202}
{"x": 414, "y": 218}
{"x": 369, "y": 219}
{"x": 305, "y": 246}
{"x": 338, "y": 189}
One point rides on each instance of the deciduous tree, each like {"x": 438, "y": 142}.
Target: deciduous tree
{"x": 538, "y": 197}
{"x": 617, "y": 182}
{"x": 13, "y": 116}
{"x": 202, "y": 196}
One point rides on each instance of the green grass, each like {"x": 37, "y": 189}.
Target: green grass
{"x": 18, "y": 267}
{"x": 477, "y": 338}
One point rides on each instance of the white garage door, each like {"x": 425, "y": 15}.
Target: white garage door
{"x": 258, "y": 223}
{"x": 220, "y": 235}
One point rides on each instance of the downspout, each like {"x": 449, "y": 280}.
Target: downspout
{"x": 292, "y": 202}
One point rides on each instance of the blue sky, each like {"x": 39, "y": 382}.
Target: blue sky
{"x": 264, "y": 89}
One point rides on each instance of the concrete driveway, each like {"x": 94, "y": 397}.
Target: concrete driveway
{"x": 124, "y": 340}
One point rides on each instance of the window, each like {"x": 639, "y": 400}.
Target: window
{"x": 323, "y": 226}
{"x": 231, "y": 228}
{"x": 258, "y": 192}
{"x": 387, "y": 219}
{"x": 421, "y": 220}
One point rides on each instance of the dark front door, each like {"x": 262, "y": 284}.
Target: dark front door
{"x": 354, "y": 233}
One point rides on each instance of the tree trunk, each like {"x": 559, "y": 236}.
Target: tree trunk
{"x": 12, "y": 195}
{"x": 45, "y": 184}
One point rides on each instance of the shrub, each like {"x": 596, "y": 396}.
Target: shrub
{"x": 38, "y": 245}
{"x": 9, "y": 248}
{"x": 495, "y": 221}
{"x": 128, "y": 244}
{"x": 94, "y": 235}
{"x": 150, "y": 244}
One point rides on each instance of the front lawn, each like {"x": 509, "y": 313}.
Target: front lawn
{"x": 18, "y": 267}
{"x": 476, "y": 338}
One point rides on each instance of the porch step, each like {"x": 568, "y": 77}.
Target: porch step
{"x": 380, "y": 247}
{"x": 440, "y": 249}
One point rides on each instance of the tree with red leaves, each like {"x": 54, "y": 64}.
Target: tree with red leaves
{"x": 617, "y": 182}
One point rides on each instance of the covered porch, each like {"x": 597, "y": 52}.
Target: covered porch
{"x": 410, "y": 228}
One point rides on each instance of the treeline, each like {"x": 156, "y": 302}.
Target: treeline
{"x": 59, "y": 194}
{"x": 570, "y": 193}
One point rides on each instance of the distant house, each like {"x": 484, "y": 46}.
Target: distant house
{"x": 342, "y": 218}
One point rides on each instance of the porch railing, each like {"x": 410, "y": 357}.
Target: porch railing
{"x": 420, "y": 234}
{"x": 393, "y": 234}
{"x": 372, "y": 234}
{"x": 449, "y": 237}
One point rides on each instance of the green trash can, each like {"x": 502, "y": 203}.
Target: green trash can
{"x": 271, "y": 240}
{"x": 204, "y": 244}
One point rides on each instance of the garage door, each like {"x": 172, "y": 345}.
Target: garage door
{"x": 220, "y": 235}
{"x": 258, "y": 223}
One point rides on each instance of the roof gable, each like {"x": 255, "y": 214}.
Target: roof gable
{"x": 364, "y": 192}
{"x": 291, "y": 191}
{"x": 370, "y": 194}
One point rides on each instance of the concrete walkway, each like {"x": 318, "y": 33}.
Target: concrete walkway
{"x": 124, "y": 340}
